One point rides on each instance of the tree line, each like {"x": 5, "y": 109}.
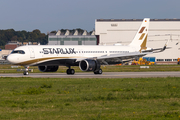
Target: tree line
{"x": 10, "y": 35}
{"x": 22, "y": 36}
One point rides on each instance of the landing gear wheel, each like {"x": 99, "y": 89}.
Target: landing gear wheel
{"x": 26, "y": 70}
{"x": 70, "y": 71}
{"x": 25, "y": 73}
{"x": 67, "y": 71}
{"x": 98, "y": 72}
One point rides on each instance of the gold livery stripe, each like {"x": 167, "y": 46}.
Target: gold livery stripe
{"x": 40, "y": 60}
{"x": 142, "y": 29}
{"x": 142, "y": 36}
{"x": 143, "y": 45}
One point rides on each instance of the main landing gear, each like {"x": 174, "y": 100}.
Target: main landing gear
{"x": 98, "y": 72}
{"x": 70, "y": 71}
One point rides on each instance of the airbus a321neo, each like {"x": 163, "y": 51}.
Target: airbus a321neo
{"x": 48, "y": 58}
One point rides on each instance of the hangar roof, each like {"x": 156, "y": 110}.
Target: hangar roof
{"x": 111, "y": 20}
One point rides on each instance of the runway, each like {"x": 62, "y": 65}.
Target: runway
{"x": 91, "y": 75}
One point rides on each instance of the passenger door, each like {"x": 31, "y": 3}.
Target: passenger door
{"x": 32, "y": 54}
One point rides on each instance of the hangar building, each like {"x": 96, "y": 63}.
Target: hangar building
{"x": 72, "y": 38}
{"x": 112, "y": 31}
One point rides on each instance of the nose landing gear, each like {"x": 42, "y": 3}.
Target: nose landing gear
{"x": 26, "y": 70}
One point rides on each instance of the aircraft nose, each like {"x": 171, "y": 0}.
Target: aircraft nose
{"x": 10, "y": 58}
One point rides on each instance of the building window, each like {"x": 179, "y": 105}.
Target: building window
{"x": 168, "y": 59}
{"x": 160, "y": 59}
{"x": 174, "y": 59}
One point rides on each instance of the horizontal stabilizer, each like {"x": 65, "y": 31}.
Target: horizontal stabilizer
{"x": 158, "y": 49}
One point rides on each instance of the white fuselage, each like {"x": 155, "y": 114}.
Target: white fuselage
{"x": 36, "y": 54}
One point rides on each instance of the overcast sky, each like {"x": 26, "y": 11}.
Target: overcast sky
{"x": 49, "y": 15}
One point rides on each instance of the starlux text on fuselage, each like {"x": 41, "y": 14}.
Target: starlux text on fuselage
{"x": 59, "y": 51}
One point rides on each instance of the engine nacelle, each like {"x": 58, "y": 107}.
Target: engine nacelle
{"x": 89, "y": 65}
{"x": 48, "y": 68}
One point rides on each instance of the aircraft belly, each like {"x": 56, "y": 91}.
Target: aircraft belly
{"x": 66, "y": 62}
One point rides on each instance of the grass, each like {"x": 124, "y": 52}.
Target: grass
{"x": 107, "y": 68}
{"x": 91, "y": 99}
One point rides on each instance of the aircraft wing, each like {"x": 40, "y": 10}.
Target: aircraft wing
{"x": 119, "y": 58}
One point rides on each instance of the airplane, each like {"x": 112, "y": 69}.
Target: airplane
{"x": 48, "y": 58}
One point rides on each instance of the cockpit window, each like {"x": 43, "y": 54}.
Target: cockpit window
{"x": 18, "y": 51}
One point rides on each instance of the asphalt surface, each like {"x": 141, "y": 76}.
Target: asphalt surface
{"x": 92, "y": 75}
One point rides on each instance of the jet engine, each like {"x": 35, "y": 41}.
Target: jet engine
{"x": 89, "y": 65}
{"x": 48, "y": 68}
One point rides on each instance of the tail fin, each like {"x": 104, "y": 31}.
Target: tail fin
{"x": 140, "y": 38}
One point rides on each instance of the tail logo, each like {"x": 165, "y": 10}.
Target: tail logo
{"x": 143, "y": 45}
{"x": 142, "y": 29}
{"x": 142, "y": 36}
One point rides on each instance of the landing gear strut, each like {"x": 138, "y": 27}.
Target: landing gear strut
{"x": 70, "y": 71}
{"x": 26, "y": 70}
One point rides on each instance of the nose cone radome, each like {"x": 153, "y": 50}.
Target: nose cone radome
{"x": 11, "y": 59}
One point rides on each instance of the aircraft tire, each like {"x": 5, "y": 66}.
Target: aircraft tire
{"x": 25, "y": 73}
{"x": 70, "y": 71}
{"x": 67, "y": 71}
{"x": 98, "y": 72}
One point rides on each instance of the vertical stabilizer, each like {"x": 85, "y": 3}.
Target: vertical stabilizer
{"x": 140, "y": 39}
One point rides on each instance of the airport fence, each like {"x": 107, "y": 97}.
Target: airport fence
{"x": 4, "y": 62}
